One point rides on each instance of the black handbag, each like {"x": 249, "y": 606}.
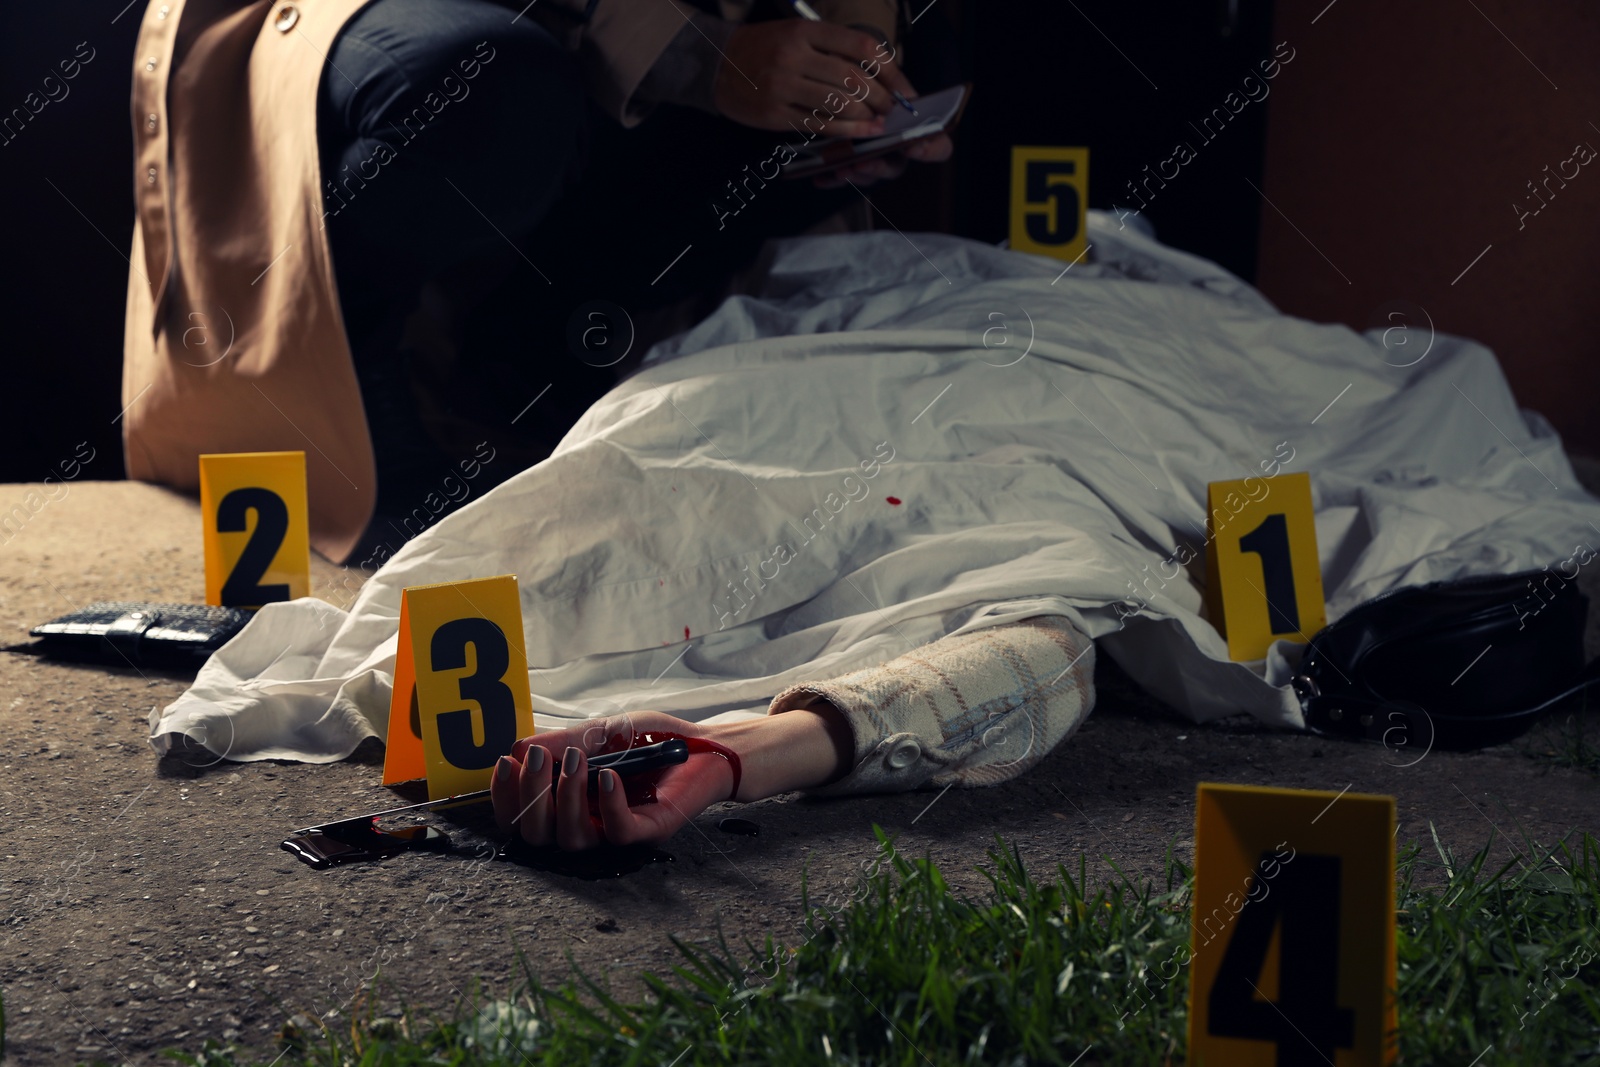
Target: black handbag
{"x": 1451, "y": 665}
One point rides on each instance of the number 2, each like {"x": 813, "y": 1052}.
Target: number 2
{"x": 1041, "y": 190}
{"x": 243, "y": 587}
{"x": 1270, "y": 541}
{"x": 448, "y": 652}
{"x": 1305, "y": 898}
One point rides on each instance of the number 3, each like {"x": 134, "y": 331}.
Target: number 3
{"x": 448, "y": 652}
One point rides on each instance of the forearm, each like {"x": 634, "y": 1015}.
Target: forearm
{"x": 972, "y": 709}
{"x": 781, "y": 753}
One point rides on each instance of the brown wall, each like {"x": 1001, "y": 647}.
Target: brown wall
{"x": 1398, "y": 141}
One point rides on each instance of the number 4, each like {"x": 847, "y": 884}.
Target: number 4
{"x": 1303, "y": 902}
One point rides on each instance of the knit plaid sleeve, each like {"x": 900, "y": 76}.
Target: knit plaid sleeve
{"x": 975, "y": 708}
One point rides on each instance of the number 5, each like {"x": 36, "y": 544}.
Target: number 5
{"x": 1058, "y": 194}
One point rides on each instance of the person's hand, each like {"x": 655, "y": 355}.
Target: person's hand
{"x": 556, "y": 810}
{"x": 793, "y": 750}
{"x": 935, "y": 149}
{"x": 776, "y": 74}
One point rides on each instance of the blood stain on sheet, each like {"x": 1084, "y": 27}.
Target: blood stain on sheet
{"x": 893, "y": 500}
{"x": 686, "y": 633}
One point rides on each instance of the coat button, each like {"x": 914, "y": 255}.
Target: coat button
{"x": 151, "y": 121}
{"x": 904, "y": 754}
{"x": 163, "y": 12}
{"x": 288, "y": 15}
{"x": 150, "y": 64}
{"x": 150, "y": 176}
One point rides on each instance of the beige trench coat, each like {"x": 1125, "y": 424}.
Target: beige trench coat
{"x": 233, "y": 339}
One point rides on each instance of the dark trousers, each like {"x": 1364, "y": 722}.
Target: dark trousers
{"x": 465, "y": 166}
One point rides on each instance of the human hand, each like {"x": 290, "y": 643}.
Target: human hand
{"x": 794, "y": 750}
{"x": 935, "y": 149}
{"x": 777, "y": 73}
{"x": 542, "y": 787}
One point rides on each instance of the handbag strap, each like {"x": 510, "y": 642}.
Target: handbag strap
{"x": 1366, "y": 718}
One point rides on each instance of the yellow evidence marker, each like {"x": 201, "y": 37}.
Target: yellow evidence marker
{"x": 1263, "y": 577}
{"x": 1292, "y": 957}
{"x": 460, "y": 660}
{"x": 1049, "y": 201}
{"x": 257, "y": 529}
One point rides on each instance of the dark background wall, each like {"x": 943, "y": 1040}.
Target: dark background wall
{"x": 66, "y": 194}
{"x": 1125, "y": 79}
{"x": 1399, "y": 147}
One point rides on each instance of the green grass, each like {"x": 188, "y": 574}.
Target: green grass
{"x": 1503, "y": 957}
{"x": 911, "y": 973}
{"x": 1569, "y": 742}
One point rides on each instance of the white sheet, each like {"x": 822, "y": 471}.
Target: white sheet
{"x": 1049, "y": 436}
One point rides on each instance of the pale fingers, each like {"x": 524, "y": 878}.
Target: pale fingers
{"x": 533, "y": 817}
{"x": 887, "y": 73}
{"x": 504, "y": 792}
{"x": 830, "y": 126}
{"x": 933, "y": 150}
{"x": 573, "y": 828}
{"x": 621, "y": 823}
{"x": 839, "y": 87}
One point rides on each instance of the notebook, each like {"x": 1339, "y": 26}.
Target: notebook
{"x": 936, "y": 113}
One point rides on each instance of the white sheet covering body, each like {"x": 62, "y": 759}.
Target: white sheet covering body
{"x": 901, "y": 438}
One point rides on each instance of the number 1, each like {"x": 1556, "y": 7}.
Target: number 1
{"x": 1270, "y": 541}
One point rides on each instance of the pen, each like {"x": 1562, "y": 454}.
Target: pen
{"x": 809, "y": 13}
